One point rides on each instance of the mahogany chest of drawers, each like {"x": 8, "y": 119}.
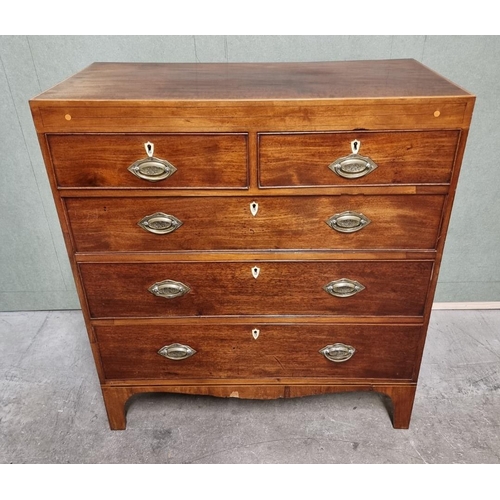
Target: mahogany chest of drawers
{"x": 255, "y": 230}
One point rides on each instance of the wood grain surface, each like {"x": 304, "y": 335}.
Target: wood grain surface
{"x": 396, "y": 288}
{"x": 230, "y": 351}
{"x": 202, "y": 160}
{"x": 401, "y": 157}
{"x": 306, "y": 80}
{"x": 294, "y": 222}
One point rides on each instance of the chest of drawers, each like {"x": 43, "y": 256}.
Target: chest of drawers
{"x": 255, "y": 230}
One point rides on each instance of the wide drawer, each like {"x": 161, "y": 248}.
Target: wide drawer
{"x": 303, "y": 159}
{"x": 231, "y": 351}
{"x": 381, "y": 288}
{"x": 297, "y": 222}
{"x": 199, "y": 160}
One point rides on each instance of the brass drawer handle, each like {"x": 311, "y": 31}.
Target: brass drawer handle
{"x": 160, "y": 223}
{"x": 169, "y": 289}
{"x": 152, "y": 169}
{"x": 338, "y": 353}
{"x": 348, "y": 222}
{"x": 354, "y": 165}
{"x": 176, "y": 352}
{"x": 343, "y": 287}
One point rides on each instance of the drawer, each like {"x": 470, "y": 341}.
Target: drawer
{"x": 391, "y": 288}
{"x": 297, "y": 222}
{"x": 302, "y": 159}
{"x": 231, "y": 351}
{"x": 102, "y": 161}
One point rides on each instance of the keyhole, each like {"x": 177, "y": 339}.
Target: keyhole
{"x": 255, "y": 272}
{"x": 355, "y": 144}
{"x": 254, "y": 208}
{"x": 150, "y": 147}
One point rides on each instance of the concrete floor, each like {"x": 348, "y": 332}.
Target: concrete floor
{"x": 51, "y": 410}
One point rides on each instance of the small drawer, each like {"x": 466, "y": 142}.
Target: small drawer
{"x": 327, "y": 159}
{"x": 177, "y": 160}
{"x": 268, "y": 288}
{"x": 242, "y": 223}
{"x": 226, "y": 351}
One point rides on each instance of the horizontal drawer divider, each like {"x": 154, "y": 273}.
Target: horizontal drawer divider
{"x": 264, "y": 255}
{"x": 261, "y": 320}
{"x": 360, "y": 383}
{"x": 274, "y": 319}
{"x": 387, "y": 189}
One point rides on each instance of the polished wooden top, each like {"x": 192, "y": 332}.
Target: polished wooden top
{"x": 403, "y": 78}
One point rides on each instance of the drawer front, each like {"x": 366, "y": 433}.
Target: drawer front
{"x": 231, "y": 351}
{"x": 298, "y": 222}
{"x": 396, "y": 288}
{"x": 303, "y": 159}
{"x": 102, "y": 161}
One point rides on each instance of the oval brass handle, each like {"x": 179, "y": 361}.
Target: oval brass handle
{"x": 348, "y": 222}
{"x": 343, "y": 287}
{"x": 338, "y": 353}
{"x": 169, "y": 289}
{"x": 152, "y": 169}
{"x": 160, "y": 223}
{"x": 354, "y": 165}
{"x": 176, "y": 352}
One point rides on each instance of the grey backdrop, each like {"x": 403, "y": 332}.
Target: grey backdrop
{"x": 34, "y": 268}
